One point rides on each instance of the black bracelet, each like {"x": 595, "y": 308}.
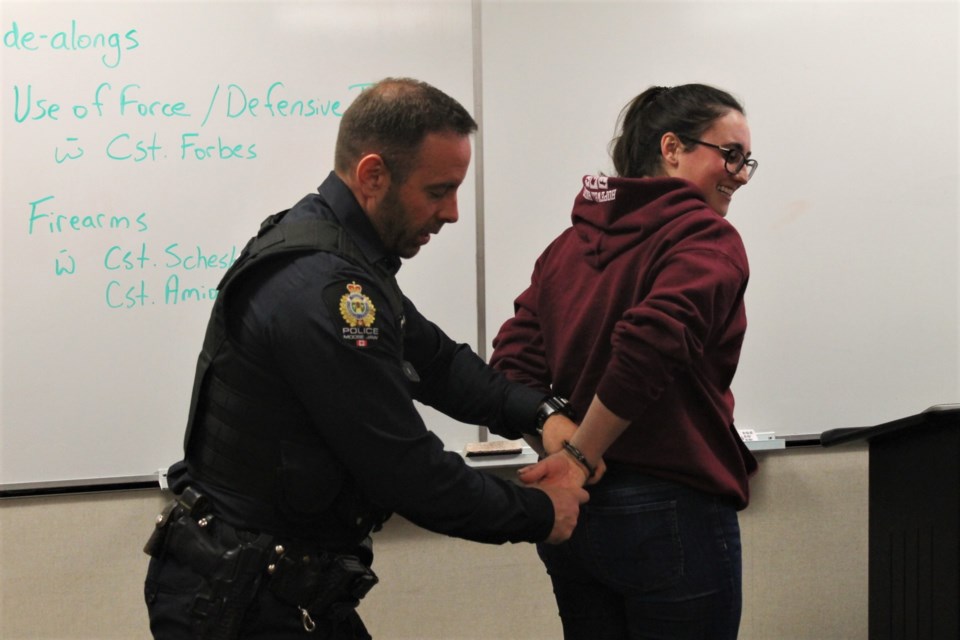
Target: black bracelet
{"x": 582, "y": 459}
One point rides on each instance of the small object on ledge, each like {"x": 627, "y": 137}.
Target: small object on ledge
{"x": 493, "y": 448}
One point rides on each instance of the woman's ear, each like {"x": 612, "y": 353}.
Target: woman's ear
{"x": 670, "y": 148}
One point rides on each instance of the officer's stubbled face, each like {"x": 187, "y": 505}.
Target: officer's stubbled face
{"x": 413, "y": 210}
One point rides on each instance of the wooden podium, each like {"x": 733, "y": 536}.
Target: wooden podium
{"x": 914, "y": 537}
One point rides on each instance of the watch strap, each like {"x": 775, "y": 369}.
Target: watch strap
{"x": 550, "y": 406}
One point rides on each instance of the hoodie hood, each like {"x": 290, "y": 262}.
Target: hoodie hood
{"x": 610, "y": 215}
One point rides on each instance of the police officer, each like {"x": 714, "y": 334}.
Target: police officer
{"x": 303, "y": 436}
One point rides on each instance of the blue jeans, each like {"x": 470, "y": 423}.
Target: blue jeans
{"x": 649, "y": 559}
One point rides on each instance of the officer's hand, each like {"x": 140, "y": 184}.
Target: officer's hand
{"x": 566, "y": 510}
{"x": 557, "y": 470}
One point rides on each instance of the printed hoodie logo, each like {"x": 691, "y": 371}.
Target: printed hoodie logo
{"x": 595, "y": 189}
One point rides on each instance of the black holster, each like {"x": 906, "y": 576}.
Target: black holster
{"x": 232, "y": 569}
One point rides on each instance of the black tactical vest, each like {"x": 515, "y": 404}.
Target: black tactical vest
{"x": 247, "y": 431}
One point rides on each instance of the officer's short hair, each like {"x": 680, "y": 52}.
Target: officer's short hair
{"x": 391, "y": 118}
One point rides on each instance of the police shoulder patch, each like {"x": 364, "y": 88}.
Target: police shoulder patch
{"x": 356, "y": 308}
{"x": 354, "y": 312}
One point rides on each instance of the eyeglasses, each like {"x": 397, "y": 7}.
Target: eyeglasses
{"x": 734, "y": 160}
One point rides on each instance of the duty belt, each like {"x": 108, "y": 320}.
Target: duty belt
{"x": 233, "y": 563}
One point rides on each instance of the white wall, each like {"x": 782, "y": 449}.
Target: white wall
{"x": 850, "y": 223}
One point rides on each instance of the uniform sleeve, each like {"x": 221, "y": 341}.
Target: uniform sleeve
{"x": 338, "y": 344}
{"x": 457, "y": 382}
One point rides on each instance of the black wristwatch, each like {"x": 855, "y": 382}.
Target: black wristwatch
{"x": 550, "y": 406}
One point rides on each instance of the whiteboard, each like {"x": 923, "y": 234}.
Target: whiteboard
{"x": 850, "y": 223}
{"x": 143, "y": 143}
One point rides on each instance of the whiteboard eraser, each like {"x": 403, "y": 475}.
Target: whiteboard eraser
{"x": 494, "y": 448}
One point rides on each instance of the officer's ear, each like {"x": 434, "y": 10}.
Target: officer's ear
{"x": 372, "y": 180}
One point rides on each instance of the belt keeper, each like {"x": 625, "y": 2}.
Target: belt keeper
{"x": 579, "y": 457}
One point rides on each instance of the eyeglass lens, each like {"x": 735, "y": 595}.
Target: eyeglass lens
{"x": 735, "y": 161}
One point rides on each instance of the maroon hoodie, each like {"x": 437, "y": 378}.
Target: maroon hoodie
{"x": 641, "y": 303}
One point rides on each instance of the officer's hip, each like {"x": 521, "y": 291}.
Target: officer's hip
{"x": 209, "y": 579}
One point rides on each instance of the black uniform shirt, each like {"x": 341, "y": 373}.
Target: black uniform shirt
{"x": 330, "y": 334}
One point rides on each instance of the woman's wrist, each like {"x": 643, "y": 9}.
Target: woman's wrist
{"x": 577, "y": 455}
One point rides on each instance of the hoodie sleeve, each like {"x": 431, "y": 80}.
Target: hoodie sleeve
{"x": 694, "y": 301}
{"x": 518, "y": 348}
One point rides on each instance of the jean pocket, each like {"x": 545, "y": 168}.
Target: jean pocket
{"x": 637, "y": 546}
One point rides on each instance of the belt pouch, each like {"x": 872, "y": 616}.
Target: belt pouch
{"x": 324, "y": 584}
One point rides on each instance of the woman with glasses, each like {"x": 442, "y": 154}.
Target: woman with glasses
{"x": 635, "y": 314}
